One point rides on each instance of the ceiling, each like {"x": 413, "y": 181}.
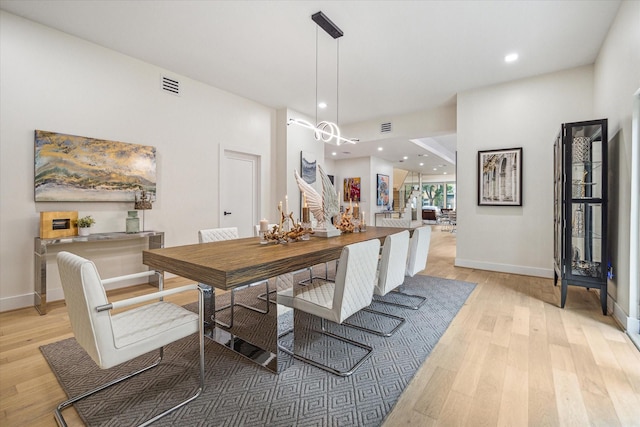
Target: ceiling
{"x": 396, "y": 57}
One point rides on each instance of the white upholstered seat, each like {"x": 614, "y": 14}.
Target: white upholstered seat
{"x": 418, "y": 250}
{"x": 393, "y": 263}
{"x": 416, "y": 262}
{"x": 336, "y": 301}
{"x": 217, "y": 235}
{"x": 390, "y": 275}
{"x": 111, "y": 339}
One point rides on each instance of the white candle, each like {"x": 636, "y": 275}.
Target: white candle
{"x": 264, "y": 225}
{"x": 286, "y": 205}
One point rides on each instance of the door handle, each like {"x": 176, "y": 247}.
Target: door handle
{"x": 227, "y": 213}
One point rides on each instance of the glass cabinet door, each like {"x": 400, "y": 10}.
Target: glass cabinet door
{"x": 586, "y": 162}
{"x": 586, "y": 239}
{"x": 585, "y": 212}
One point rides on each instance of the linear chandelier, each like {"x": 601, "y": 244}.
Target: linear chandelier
{"x": 325, "y": 131}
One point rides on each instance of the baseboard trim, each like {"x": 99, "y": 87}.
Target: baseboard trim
{"x": 505, "y": 268}
{"x": 16, "y": 302}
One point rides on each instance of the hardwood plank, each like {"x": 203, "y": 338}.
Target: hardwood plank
{"x": 435, "y": 393}
{"x": 571, "y": 408}
{"x": 514, "y": 403}
{"x": 485, "y": 406}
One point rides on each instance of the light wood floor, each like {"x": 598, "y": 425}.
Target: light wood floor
{"x": 511, "y": 357}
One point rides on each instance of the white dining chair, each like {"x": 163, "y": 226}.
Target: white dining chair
{"x": 389, "y": 276}
{"x": 416, "y": 262}
{"x": 111, "y": 339}
{"x": 337, "y": 301}
{"x": 217, "y": 235}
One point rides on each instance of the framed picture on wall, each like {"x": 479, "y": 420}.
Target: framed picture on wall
{"x": 382, "y": 191}
{"x": 308, "y": 167}
{"x": 500, "y": 177}
{"x": 70, "y": 168}
{"x": 352, "y": 189}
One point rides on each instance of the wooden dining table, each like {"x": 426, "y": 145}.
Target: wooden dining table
{"x": 229, "y": 264}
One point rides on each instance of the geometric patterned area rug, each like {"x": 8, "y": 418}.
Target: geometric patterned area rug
{"x": 240, "y": 393}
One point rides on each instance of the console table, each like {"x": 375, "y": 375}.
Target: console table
{"x": 156, "y": 241}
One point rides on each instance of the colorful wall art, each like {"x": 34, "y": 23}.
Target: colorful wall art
{"x": 352, "y": 189}
{"x": 382, "y": 194}
{"x": 71, "y": 168}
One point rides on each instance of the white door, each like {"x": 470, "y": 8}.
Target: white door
{"x": 239, "y": 191}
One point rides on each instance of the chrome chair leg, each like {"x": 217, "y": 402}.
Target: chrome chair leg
{"x": 322, "y": 366}
{"x": 401, "y": 321}
{"x": 421, "y": 299}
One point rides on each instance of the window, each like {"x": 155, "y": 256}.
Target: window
{"x": 434, "y": 194}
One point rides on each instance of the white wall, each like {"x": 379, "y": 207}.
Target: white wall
{"x": 435, "y": 121}
{"x": 616, "y": 79}
{"x": 291, "y": 141}
{"x": 52, "y": 81}
{"x": 525, "y": 113}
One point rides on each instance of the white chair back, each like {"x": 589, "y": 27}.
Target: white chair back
{"x": 355, "y": 278}
{"x": 393, "y": 263}
{"x": 418, "y": 251}
{"x": 218, "y": 234}
{"x": 83, "y": 292}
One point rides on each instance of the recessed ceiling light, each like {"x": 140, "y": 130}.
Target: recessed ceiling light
{"x": 405, "y": 157}
{"x": 421, "y": 164}
{"x": 322, "y": 105}
{"x": 379, "y": 148}
{"x": 435, "y": 169}
{"x": 334, "y": 153}
{"x": 512, "y": 57}
{"x": 444, "y": 173}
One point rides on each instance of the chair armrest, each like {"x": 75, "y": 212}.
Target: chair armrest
{"x": 129, "y": 276}
{"x": 148, "y": 297}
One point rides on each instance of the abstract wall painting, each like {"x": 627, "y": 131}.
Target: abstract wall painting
{"x": 500, "y": 177}
{"x": 352, "y": 189}
{"x": 382, "y": 192}
{"x": 71, "y": 168}
{"x": 308, "y": 166}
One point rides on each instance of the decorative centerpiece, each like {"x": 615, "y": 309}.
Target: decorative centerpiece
{"x": 287, "y": 230}
{"x": 322, "y": 207}
{"x": 350, "y": 221}
{"x": 346, "y": 225}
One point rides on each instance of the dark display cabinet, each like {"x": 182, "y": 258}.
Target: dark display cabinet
{"x": 580, "y": 207}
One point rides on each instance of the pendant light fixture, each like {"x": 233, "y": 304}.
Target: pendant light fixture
{"x": 326, "y": 131}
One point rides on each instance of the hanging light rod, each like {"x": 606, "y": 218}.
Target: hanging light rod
{"x": 327, "y": 25}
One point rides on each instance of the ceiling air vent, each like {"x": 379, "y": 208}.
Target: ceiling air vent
{"x": 169, "y": 85}
{"x": 385, "y": 127}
